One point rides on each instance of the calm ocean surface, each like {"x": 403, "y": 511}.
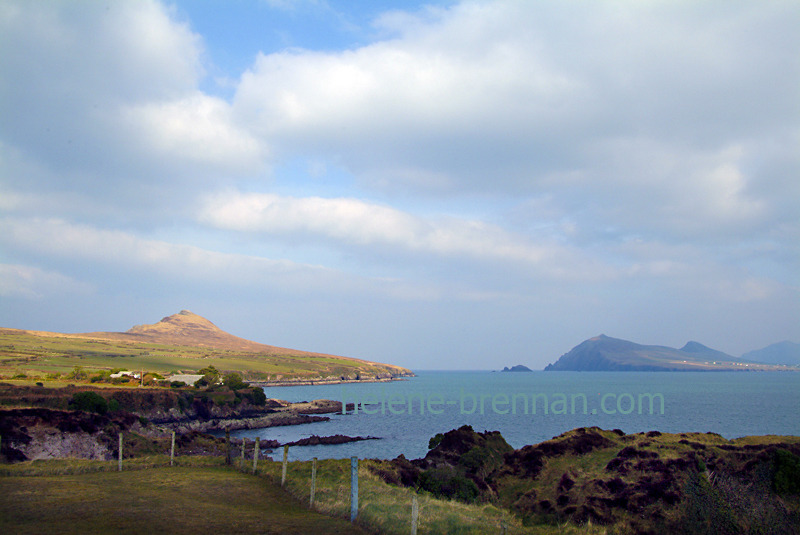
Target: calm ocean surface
{"x": 406, "y": 414}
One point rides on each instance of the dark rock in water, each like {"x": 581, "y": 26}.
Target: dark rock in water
{"x": 315, "y": 440}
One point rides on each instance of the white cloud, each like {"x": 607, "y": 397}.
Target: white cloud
{"x": 507, "y": 98}
{"x": 125, "y": 254}
{"x": 108, "y": 93}
{"x": 363, "y": 224}
{"x": 31, "y": 282}
{"x": 195, "y": 128}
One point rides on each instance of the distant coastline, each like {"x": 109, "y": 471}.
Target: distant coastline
{"x": 318, "y": 382}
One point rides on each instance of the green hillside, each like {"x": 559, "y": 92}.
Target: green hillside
{"x": 182, "y": 343}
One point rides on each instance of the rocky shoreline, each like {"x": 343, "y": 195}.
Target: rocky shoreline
{"x": 328, "y": 381}
{"x": 48, "y": 425}
{"x": 283, "y": 414}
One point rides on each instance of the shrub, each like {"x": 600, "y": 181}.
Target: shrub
{"x": 177, "y": 384}
{"x": 211, "y": 375}
{"x": 77, "y": 373}
{"x": 446, "y": 482}
{"x": 474, "y": 459}
{"x": 258, "y": 397}
{"x": 234, "y": 381}
{"x": 786, "y": 472}
{"x": 435, "y": 441}
{"x": 89, "y": 402}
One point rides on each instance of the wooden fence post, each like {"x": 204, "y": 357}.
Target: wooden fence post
{"x": 119, "y": 462}
{"x": 353, "y": 488}
{"x": 256, "y": 453}
{"x": 285, "y": 462}
{"x": 172, "y": 450}
{"x": 228, "y": 456}
{"x": 313, "y": 482}
{"x": 414, "y": 514}
{"x": 241, "y": 463}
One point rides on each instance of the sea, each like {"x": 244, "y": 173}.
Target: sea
{"x": 530, "y": 407}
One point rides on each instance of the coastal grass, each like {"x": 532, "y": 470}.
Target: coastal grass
{"x": 385, "y": 508}
{"x": 201, "y": 496}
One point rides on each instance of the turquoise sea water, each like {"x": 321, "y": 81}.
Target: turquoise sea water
{"x": 406, "y": 414}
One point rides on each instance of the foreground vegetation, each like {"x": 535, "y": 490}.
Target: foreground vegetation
{"x": 202, "y": 495}
{"x": 196, "y": 497}
{"x": 751, "y": 485}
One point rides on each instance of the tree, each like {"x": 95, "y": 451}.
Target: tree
{"x": 234, "y": 381}
{"x": 210, "y": 374}
{"x": 89, "y": 402}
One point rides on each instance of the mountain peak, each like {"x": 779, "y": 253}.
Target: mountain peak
{"x": 183, "y": 323}
{"x": 694, "y": 347}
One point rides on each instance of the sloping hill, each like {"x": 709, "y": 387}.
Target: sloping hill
{"x": 698, "y": 349}
{"x": 603, "y": 353}
{"x": 189, "y": 329}
{"x": 182, "y": 341}
{"x": 785, "y": 352}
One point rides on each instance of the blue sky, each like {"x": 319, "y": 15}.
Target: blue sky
{"x": 464, "y": 185}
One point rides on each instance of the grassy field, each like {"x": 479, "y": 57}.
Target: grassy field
{"x": 40, "y": 358}
{"x": 201, "y": 495}
{"x": 205, "y": 497}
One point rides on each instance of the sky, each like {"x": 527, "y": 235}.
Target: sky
{"x": 439, "y": 185}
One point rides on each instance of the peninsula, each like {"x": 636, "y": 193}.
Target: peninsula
{"x": 603, "y": 353}
{"x": 183, "y": 343}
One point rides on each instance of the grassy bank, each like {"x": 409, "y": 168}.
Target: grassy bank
{"x": 386, "y": 508}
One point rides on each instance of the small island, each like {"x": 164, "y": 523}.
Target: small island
{"x": 517, "y": 368}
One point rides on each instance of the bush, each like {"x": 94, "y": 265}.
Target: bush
{"x": 473, "y": 460}
{"x": 786, "y": 472}
{"x": 77, "y": 373}
{"x": 258, "y": 397}
{"x": 234, "y": 381}
{"x": 446, "y": 482}
{"x": 211, "y": 375}
{"x": 89, "y": 402}
{"x": 177, "y": 384}
{"x": 435, "y": 441}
